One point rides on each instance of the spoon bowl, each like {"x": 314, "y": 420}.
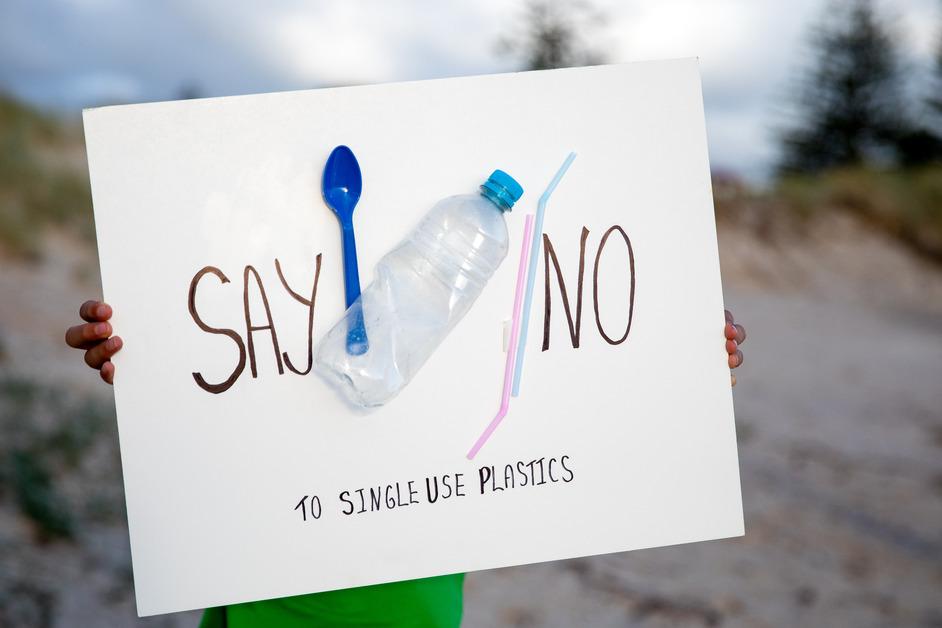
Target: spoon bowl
{"x": 342, "y": 183}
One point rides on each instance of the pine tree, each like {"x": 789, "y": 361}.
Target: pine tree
{"x": 920, "y": 142}
{"x": 935, "y": 97}
{"x": 554, "y": 35}
{"x": 850, "y": 102}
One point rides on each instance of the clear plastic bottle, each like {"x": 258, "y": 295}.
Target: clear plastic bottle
{"x": 423, "y": 287}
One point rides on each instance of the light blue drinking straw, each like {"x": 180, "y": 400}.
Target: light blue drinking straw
{"x": 531, "y": 273}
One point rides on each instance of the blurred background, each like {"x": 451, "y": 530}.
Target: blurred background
{"x": 825, "y": 128}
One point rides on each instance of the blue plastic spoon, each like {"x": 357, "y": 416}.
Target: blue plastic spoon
{"x": 341, "y": 187}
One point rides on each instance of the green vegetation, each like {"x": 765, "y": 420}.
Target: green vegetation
{"x": 47, "y": 438}
{"x": 37, "y": 497}
{"x": 42, "y": 179}
{"x": 907, "y": 203}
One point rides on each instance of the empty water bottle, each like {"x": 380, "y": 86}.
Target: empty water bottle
{"x": 423, "y": 287}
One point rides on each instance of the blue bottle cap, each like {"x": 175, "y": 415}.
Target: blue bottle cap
{"x": 502, "y": 190}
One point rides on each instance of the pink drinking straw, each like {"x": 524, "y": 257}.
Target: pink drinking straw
{"x": 512, "y": 349}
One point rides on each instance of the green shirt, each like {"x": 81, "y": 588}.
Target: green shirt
{"x": 426, "y": 603}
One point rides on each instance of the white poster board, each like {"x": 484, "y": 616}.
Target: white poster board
{"x": 640, "y": 433}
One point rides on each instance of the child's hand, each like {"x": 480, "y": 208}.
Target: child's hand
{"x": 94, "y": 337}
{"x": 735, "y": 336}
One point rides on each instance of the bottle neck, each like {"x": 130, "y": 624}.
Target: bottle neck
{"x": 498, "y": 198}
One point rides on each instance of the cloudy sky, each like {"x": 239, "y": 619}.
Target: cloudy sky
{"x": 66, "y": 54}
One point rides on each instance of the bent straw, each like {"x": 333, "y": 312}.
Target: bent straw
{"x": 509, "y": 366}
{"x": 531, "y": 274}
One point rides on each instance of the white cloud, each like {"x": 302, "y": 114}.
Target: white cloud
{"x": 335, "y": 44}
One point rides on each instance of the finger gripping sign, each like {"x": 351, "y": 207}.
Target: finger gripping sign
{"x": 248, "y": 477}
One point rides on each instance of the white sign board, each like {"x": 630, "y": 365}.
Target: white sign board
{"x": 274, "y": 486}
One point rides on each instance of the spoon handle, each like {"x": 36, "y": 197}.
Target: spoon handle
{"x": 351, "y": 271}
{"x": 357, "y": 342}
